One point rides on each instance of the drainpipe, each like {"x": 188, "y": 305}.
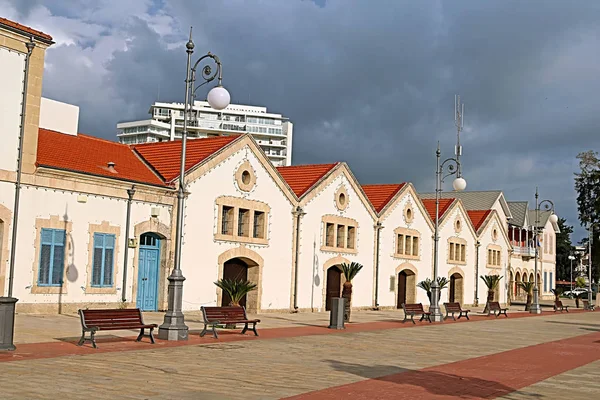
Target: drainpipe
{"x": 476, "y": 300}
{"x": 298, "y": 213}
{"x": 130, "y": 193}
{"x": 13, "y": 247}
{"x": 377, "y": 227}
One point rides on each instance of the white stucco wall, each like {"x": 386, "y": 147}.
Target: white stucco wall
{"x": 486, "y": 239}
{"x": 388, "y": 263}
{"x": 44, "y": 203}
{"x": 12, "y": 65}
{"x": 446, "y": 231}
{"x": 312, "y": 278}
{"x": 201, "y": 251}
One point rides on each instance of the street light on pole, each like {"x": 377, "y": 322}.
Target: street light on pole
{"x": 571, "y": 258}
{"x": 173, "y": 327}
{"x": 553, "y": 218}
{"x": 453, "y": 167}
{"x": 590, "y": 240}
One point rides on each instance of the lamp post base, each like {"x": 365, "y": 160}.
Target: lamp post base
{"x": 535, "y": 306}
{"x": 535, "y": 309}
{"x": 7, "y": 323}
{"x": 434, "y": 308}
{"x": 174, "y": 327}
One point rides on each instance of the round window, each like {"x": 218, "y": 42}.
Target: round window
{"x": 342, "y": 199}
{"x": 494, "y": 234}
{"x": 457, "y": 225}
{"x": 246, "y": 177}
{"x": 409, "y": 214}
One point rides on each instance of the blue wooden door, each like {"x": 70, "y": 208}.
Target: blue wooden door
{"x": 147, "y": 293}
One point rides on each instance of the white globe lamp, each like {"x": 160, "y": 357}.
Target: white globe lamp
{"x": 459, "y": 184}
{"x": 218, "y": 98}
{"x": 553, "y": 218}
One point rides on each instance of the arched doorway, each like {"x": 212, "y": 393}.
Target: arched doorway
{"x": 334, "y": 285}
{"x": 148, "y": 272}
{"x": 517, "y": 284}
{"x": 455, "y": 293}
{"x": 406, "y": 288}
{"x": 237, "y": 270}
{"x": 511, "y": 283}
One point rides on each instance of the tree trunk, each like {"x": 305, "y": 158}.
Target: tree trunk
{"x": 490, "y": 298}
{"x": 232, "y": 304}
{"x": 576, "y": 301}
{"x": 429, "y": 296}
{"x": 528, "y": 305}
{"x": 347, "y": 295}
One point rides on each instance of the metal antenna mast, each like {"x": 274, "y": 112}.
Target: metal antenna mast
{"x": 459, "y": 115}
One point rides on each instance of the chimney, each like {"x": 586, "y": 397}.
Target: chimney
{"x": 111, "y": 167}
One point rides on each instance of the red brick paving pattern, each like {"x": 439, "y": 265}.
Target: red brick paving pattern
{"x": 485, "y": 377}
{"x": 67, "y": 347}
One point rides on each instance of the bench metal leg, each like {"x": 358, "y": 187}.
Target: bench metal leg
{"x": 140, "y": 336}
{"x": 412, "y": 318}
{"x": 254, "y": 329}
{"x": 203, "y": 331}
{"x": 82, "y": 340}
{"x": 245, "y": 328}
{"x": 467, "y": 316}
{"x": 93, "y": 339}
{"x": 214, "y": 331}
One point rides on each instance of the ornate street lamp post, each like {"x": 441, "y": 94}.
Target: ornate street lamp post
{"x": 590, "y": 240}
{"x": 571, "y": 258}
{"x": 549, "y": 206}
{"x": 452, "y": 166}
{"x": 173, "y": 327}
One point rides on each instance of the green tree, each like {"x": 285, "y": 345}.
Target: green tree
{"x": 564, "y": 248}
{"x": 350, "y": 271}
{"x": 528, "y": 288}
{"x": 587, "y": 186}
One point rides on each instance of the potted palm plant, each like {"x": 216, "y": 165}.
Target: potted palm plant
{"x": 579, "y": 283}
{"x": 557, "y": 293}
{"x": 528, "y": 288}
{"x": 492, "y": 282}
{"x": 426, "y": 285}
{"x": 350, "y": 271}
{"x": 236, "y": 289}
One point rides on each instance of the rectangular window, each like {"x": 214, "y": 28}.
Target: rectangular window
{"x": 341, "y": 235}
{"x": 400, "y": 244}
{"x": 545, "y": 281}
{"x": 490, "y": 256}
{"x": 329, "y": 234}
{"x": 243, "y": 222}
{"x": 52, "y": 257}
{"x": 351, "y": 237}
{"x": 415, "y": 246}
{"x": 550, "y": 282}
{"x": 451, "y": 252}
{"x": 103, "y": 260}
{"x": 463, "y": 252}
{"x": 407, "y": 245}
{"x": 227, "y": 221}
{"x": 259, "y": 224}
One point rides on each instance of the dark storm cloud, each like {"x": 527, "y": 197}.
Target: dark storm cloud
{"x": 373, "y": 83}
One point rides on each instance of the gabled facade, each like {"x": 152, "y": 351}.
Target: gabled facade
{"x": 404, "y": 251}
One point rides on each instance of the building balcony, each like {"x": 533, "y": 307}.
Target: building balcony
{"x": 524, "y": 251}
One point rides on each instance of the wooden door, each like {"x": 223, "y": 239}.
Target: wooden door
{"x": 401, "y": 289}
{"x": 334, "y": 285}
{"x": 236, "y": 270}
{"x": 148, "y": 270}
{"x": 452, "y": 294}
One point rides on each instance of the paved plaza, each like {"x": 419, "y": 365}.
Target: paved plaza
{"x": 377, "y": 357}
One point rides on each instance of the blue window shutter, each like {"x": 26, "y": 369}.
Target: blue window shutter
{"x": 545, "y": 281}
{"x": 97, "y": 259}
{"x": 109, "y": 257}
{"x": 103, "y": 260}
{"x": 551, "y": 281}
{"x": 52, "y": 257}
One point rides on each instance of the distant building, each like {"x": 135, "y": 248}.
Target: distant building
{"x": 273, "y": 132}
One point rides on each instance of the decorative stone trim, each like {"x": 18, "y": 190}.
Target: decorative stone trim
{"x": 54, "y": 222}
{"x": 458, "y": 224}
{"x": 495, "y": 233}
{"x": 411, "y": 233}
{"x": 347, "y": 227}
{"x": 255, "y": 271}
{"x": 493, "y": 256}
{"x": 335, "y": 261}
{"x": 409, "y": 213}
{"x": 104, "y": 227}
{"x": 237, "y": 203}
{"x": 341, "y": 198}
{"x": 457, "y": 243}
{"x": 245, "y": 176}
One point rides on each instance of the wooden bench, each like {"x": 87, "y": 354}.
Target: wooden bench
{"x": 558, "y": 306}
{"x": 494, "y": 306}
{"x": 415, "y": 309}
{"x": 453, "y": 308}
{"x": 93, "y": 321}
{"x": 587, "y": 305}
{"x": 215, "y": 316}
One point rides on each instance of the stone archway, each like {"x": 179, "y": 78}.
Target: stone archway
{"x": 406, "y": 284}
{"x": 5, "y": 222}
{"x": 456, "y": 288}
{"x": 250, "y": 264}
{"x": 163, "y": 232}
{"x": 511, "y": 284}
{"x": 517, "y": 287}
{"x": 332, "y": 272}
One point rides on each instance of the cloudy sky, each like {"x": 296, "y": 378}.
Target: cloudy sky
{"x": 368, "y": 82}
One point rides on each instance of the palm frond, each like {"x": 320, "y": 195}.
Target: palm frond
{"x": 426, "y": 284}
{"x": 351, "y": 270}
{"x": 558, "y": 291}
{"x": 527, "y": 286}
{"x": 491, "y": 281}
{"x": 236, "y": 289}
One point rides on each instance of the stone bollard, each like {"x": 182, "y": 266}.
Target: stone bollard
{"x": 7, "y": 322}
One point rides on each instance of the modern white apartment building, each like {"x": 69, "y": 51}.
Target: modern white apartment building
{"x": 273, "y": 132}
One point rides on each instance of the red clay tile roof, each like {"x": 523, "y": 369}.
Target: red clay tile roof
{"x": 25, "y": 29}
{"x": 430, "y": 206}
{"x": 302, "y": 177}
{"x": 165, "y": 157}
{"x": 90, "y": 155}
{"x": 478, "y": 217}
{"x": 381, "y": 195}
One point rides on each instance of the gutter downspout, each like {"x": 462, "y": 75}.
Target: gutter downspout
{"x": 377, "y": 227}
{"x": 476, "y": 300}
{"x": 130, "y": 193}
{"x": 298, "y": 213}
{"x": 13, "y": 247}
